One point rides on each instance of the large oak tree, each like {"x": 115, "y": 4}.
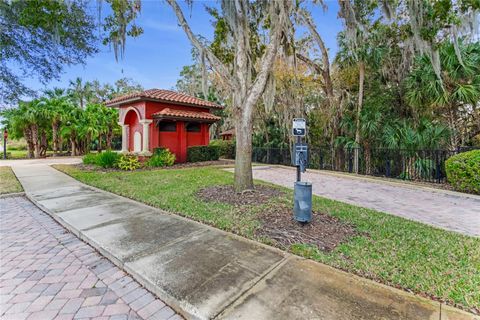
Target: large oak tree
{"x": 246, "y": 78}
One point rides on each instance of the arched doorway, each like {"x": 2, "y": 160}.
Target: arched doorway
{"x": 134, "y": 136}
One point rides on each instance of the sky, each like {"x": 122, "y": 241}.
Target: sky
{"x": 155, "y": 59}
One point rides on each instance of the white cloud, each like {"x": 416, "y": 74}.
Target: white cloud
{"x": 160, "y": 26}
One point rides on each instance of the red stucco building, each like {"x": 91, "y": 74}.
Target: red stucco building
{"x": 162, "y": 118}
{"x": 228, "y": 135}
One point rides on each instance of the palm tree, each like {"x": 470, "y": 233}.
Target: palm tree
{"x": 457, "y": 100}
{"x": 69, "y": 131}
{"x": 19, "y": 125}
{"x": 54, "y": 105}
{"x": 80, "y": 92}
{"x": 111, "y": 116}
{"x": 36, "y": 120}
{"x": 360, "y": 45}
{"x": 93, "y": 124}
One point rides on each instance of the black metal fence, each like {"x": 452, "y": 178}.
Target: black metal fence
{"x": 417, "y": 165}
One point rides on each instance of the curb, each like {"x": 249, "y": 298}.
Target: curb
{"x": 12, "y": 195}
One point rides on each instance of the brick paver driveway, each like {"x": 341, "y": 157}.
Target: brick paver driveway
{"x": 446, "y": 210}
{"x": 48, "y": 273}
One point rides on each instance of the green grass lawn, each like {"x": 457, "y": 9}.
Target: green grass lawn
{"x": 21, "y": 154}
{"x": 392, "y": 250}
{"x": 17, "y": 154}
{"x": 8, "y": 181}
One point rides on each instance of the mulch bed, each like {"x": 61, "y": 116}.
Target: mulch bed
{"x": 324, "y": 231}
{"x": 226, "y": 194}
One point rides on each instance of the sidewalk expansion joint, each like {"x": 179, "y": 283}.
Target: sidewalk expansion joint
{"x": 114, "y": 221}
{"x": 270, "y": 271}
{"x": 156, "y": 249}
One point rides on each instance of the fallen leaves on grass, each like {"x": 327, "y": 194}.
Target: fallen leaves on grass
{"x": 226, "y": 194}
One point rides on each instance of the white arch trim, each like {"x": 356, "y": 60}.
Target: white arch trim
{"x": 127, "y": 111}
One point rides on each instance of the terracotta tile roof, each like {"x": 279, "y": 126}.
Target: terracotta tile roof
{"x": 230, "y": 131}
{"x": 163, "y": 96}
{"x": 183, "y": 114}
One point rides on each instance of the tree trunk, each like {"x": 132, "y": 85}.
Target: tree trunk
{"x": 356, "y": 159}
{"x": 27, "y": 133}
{"x": 109, "y": 138}
{"x": 368, "y": 159}
{"x": 99, "y": 144}
{"x": 243, "y": 153}
{"x": 55, "y": 136}
{"x": 453, "y": 130}
{"x": 74, "y": 147}
{"x": 43, "y": 143}
{"x": 36, "y": 144}
{"x": 88, "y": 143}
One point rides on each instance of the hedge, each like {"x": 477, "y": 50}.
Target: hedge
{"x": 463, "y": 171}
{"x": 227, "y": 148}
{"x": 203, "y": 153}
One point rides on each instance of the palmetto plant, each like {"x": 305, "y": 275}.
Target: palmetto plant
{"x": 411, "y": 141}
{"x": 457, "y": 100}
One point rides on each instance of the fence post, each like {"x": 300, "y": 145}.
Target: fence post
{"x": 387, "y": 167}
{"x": 320, "y": 165}
{"x": 437, "y": 166}
{"x": 350, "y": 163}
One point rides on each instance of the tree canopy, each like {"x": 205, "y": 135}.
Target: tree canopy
{"x": 38, "y": 39}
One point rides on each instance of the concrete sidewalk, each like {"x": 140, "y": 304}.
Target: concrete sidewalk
{"x": 44, "y": 161}
{"x": 206, "y": 273}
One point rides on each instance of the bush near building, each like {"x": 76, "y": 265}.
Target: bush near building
{"x": 203, "y": 153}
{"x": 226, "y": 148}
{"x": 463, "y": 171}
{"x": 90, "y": 158}
{"x": 128, "y": 162}
{"x": 162, "y": 158}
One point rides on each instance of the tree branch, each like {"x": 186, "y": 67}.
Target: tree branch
{"x": 326, "y": 61}
{"x": 217, "y": 65}
{"x": 266, "y": 63}
{"x": 309, "y": 62}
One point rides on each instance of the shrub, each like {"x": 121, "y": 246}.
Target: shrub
{"x": 107, "y": 159}
{"x": 90, "y": 158}
{"x": 203, "y": 153}
{"x": 162, "y": 158}
{"x": 128, "y": 162}
{"x": 226, "y": 148}
{"x": 463, "y": 171}
{"x": 159, "y": 150}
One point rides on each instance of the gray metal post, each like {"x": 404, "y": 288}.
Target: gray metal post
{"x": 299, "y": 173}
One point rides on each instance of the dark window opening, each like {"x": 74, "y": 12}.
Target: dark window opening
{"x": 193, "y": 127}
{"x": 167, "y": 126}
